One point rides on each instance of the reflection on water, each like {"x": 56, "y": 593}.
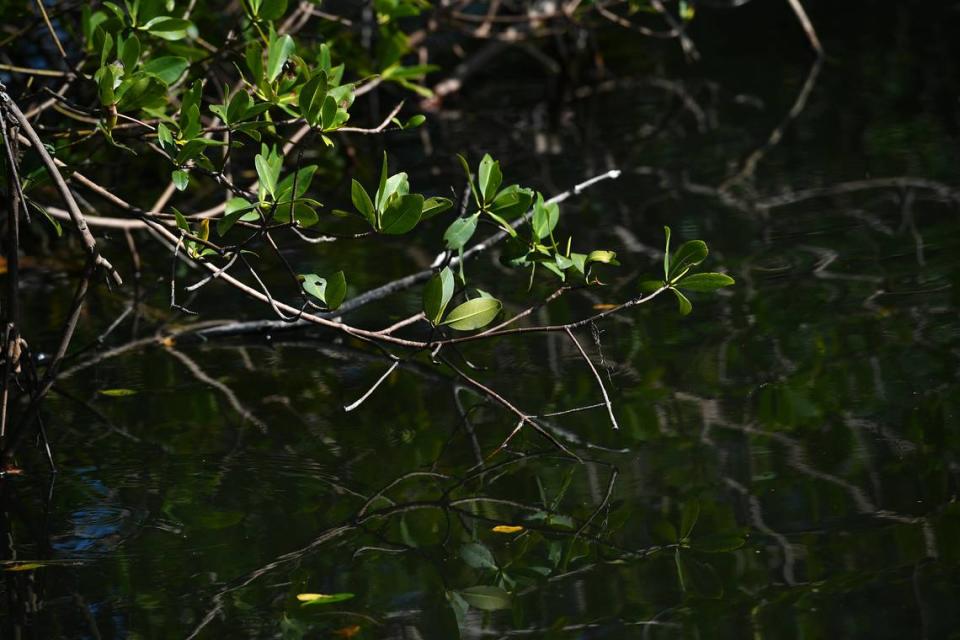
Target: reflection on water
{"x": 786, "y": 465}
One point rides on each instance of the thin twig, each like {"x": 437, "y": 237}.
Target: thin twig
{"x": 353, "y": 405}
{"x": 603, "y": 389}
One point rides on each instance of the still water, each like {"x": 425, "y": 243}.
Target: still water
{"x": 798, "y": 431}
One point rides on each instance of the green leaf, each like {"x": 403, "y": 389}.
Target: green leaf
{"x": 434, "y": 206}
{"x": 689, "y": 514}
{"x": 167, "y": 69}
{"x": 545, "y": 218}
{"x": 180, "y": 179}
{"x": 253, "y": 56}
{"x": 718, "y": 542}
{"x": 236, "y": 209}
{"x": 190, "y": 125}
{"x": 490, "y": 178}
{"x": 272, "y": 9}
{"x": 362, "y": 203}
{"x": 130, "y": 53}
{"x": 469, "y": 176}
{"x": 46, "y": 214}
{"x": 267, "y": 172}
{"x": 105, "y": 85}
{"x": 696, "y": 577}
{"x": 182, "y": 223}
{"x": 683, "y": 302}
{"x": 314, "y": 285}
{"x": 477, "y": 556}
{"x": 437, "y": 295}
{"x": 460, "y": 231}
{"x": 117, "y": 393}
{"x": 237, "y": 107}
{"x": 666, "y": 255}
{"x": 486, "y": 598}
{"x": 705, "y": 281}
{"x": 396, "y": 184}
{"x": 328, "y": 113}
{"x": 689, "y": 255}
{"x": 140, "y": 91}
{"x": 473, "y": 314}
{"x": 379, "y": 197}
{"x": 402, "y": 214}
{"x": 311, "y": 97}
{"x": 303, "y": 178}
{"x": 105, "y": 49}
{"x": 278, "y": 52}
{"x": 322, "y": 598}
{"x": 336, "y": 290}
{"x": 512, "y": 201}
{"x": 303, "y": 213}
{"x": 169, "y": 28}
{"x": 165, "y": 137}
{"x": 415, "y": 121}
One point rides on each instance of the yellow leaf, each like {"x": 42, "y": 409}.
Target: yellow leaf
{"x": 26, "y": 566}
{"x": 204, "y": 233}
{"x": 507, "y": 528}
{"x": 347, "y": 632}
{"x": 168, "y": 341}
{"x": 323, "y": 598}
{"x": 309, "y": 597}
{"x": 604, "y": 307}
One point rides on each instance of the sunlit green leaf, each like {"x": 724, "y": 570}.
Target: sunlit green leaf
{"x": 130, "y": 53}
{"x": 460, "y": 231}
{"x": 689, "y": 255}
{"x": 437, "y": 295}
{"x": 278, "y": 52}
{"x": 236, "y": 209}
{"x": 331, "y": 291}
{"x": 489, "y": 178}
{"x": 402, "y": 214}
{"x": 705, "y": 281}
{"x": 169, "y": 28}
{"x": 434, "y": 206}
{"x": 683, "y": 302}
{"x": 267, "y": 173}
{"x": 336, "y": 290}
{"x": 180, "y": 179}
{"x": 473, "y": 314}
{"x": 362, "y": 203}
{"x": 303, "y": 178}
{"x": 545, "y": 217}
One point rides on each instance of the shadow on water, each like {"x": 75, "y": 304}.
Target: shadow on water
{"x": 786, "y": 465}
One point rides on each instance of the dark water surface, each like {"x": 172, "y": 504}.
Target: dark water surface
{"x": 810, "y": 411}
